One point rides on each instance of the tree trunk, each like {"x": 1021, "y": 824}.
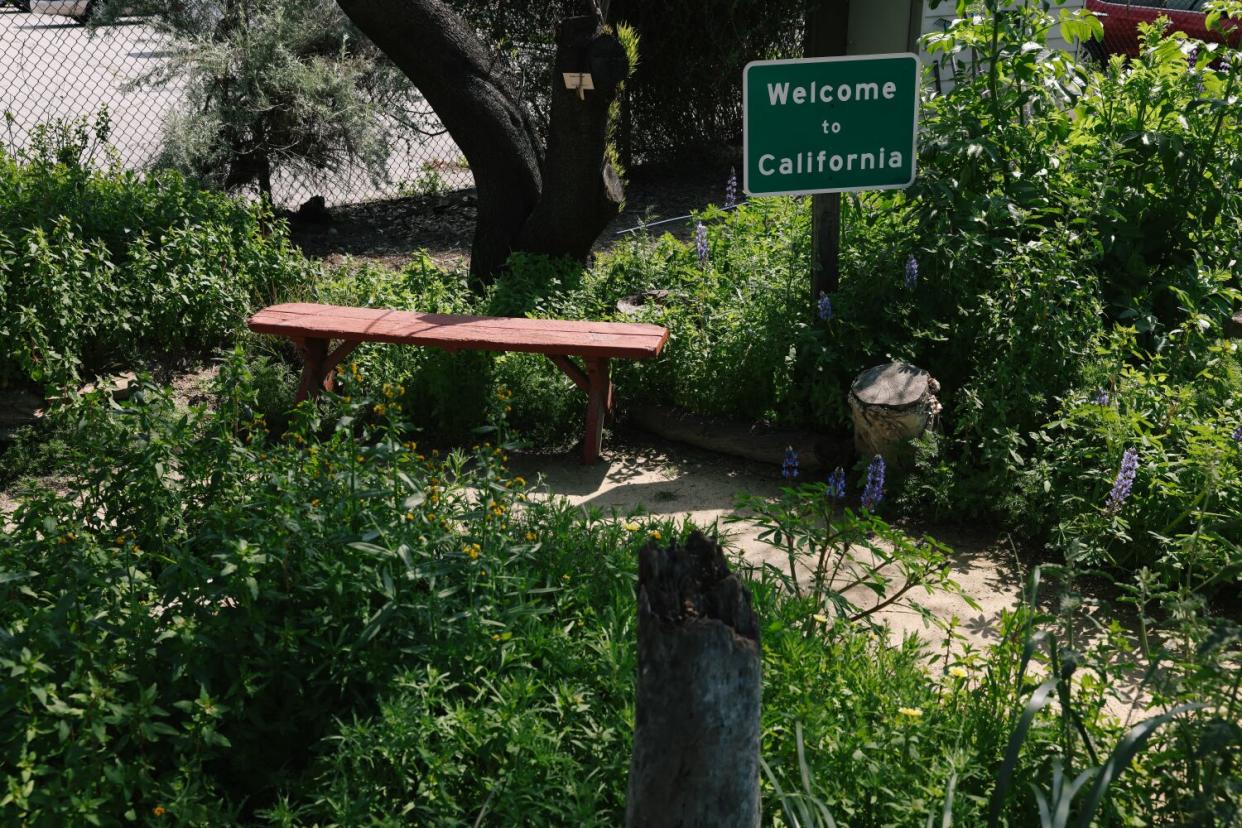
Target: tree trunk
{"x": 439, "y": 52}
{"x": 696, "y": 735}
{"x": 582, "y": 191}
{"x": 558, "y": 208}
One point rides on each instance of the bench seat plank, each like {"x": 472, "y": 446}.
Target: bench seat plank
{"x": 312, "y": 328}
{"x": 490, "y": 333}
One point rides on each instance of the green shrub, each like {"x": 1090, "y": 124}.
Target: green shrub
{"x": 98, "y": 265}
{"x": 223, "y": 626}
{"x": 158, "y": 624}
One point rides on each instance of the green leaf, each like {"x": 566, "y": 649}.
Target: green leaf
{"x": 1122, "y": 756}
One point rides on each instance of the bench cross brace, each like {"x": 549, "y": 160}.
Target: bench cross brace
{"x": 319, "y": 363}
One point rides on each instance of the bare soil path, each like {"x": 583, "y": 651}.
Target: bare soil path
{"x": 644, "y": 475}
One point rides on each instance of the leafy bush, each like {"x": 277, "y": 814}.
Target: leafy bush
{"x": 271, "y": 88}
{"x": 99, "y": 265}
{"x": 333, "y": 627}
{"x": 215, "y": 575}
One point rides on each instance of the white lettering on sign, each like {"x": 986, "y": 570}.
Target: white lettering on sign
{"x": 778, "y": 93}
{"x": 816, "y": 162}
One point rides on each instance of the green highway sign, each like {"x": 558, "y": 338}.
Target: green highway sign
{"x": 827, "y": 125}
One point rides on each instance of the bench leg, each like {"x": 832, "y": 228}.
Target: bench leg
{"x": 599, "y": 406}
{"x": 314, "y": 376}
{"x": 318, "y": 365}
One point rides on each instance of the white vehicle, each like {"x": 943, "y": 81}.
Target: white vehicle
{"x": 78, "y": 10}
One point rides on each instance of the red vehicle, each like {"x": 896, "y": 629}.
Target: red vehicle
{"x": 1121, "y": 19}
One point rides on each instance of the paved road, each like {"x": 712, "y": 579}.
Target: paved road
{"x": 52, "y": 68}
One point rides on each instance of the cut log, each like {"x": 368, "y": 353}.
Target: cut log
{"x": 749, "y": 441}
{"x": 892, "y": 404}
{"x": 696, "y": 734}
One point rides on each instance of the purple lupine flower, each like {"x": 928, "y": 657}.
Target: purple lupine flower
{"x": 1192, "y": 59}
{"x": 912, "y": 272}
{"x": 836, "y": 484}
{"x": 731, "y": 189}
{"x": 1123, "y": 483}
{"x": 789, "y": 468}
{"x": 700, "y": 243}
{"x": 874, "y": 492}
{"x": 825, "y": 306}
{"x": 1101, "y": 397}
{"x": 1237, "y": 434}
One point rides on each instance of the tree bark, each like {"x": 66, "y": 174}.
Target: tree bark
{"x": 695, "y": 760}
{"x": 582, "y": 191}
{"x": 558, "y": 208}
{"x": 438, "y": 51}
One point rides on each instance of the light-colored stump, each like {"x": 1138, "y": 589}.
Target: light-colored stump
{"x": 891, "y": 405}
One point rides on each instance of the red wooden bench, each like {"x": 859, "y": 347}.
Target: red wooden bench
{"x": 313, "y": 327}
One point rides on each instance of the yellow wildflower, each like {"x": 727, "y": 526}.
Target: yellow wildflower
{"x": 910, "y": 712}
{"x": 315, "y": 501}
{"x": 472, "y": 551}
{"x": 632, "y": 527}
{"x": 159, "y": 810}
{"x": 380, "y": 409}
{"x": 531, "y": 537}
{"x": 958, "y": 672}
{"x": 519, "y": 481}
{"x": 360, "y": 459}
{"x": 654, "y": 534}
{"x": 823, "y": 619}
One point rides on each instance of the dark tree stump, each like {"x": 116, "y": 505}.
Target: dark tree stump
{"x": 696, "y": 734}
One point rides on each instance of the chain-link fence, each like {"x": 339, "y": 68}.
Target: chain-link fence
{"x": 52, "y": 68}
